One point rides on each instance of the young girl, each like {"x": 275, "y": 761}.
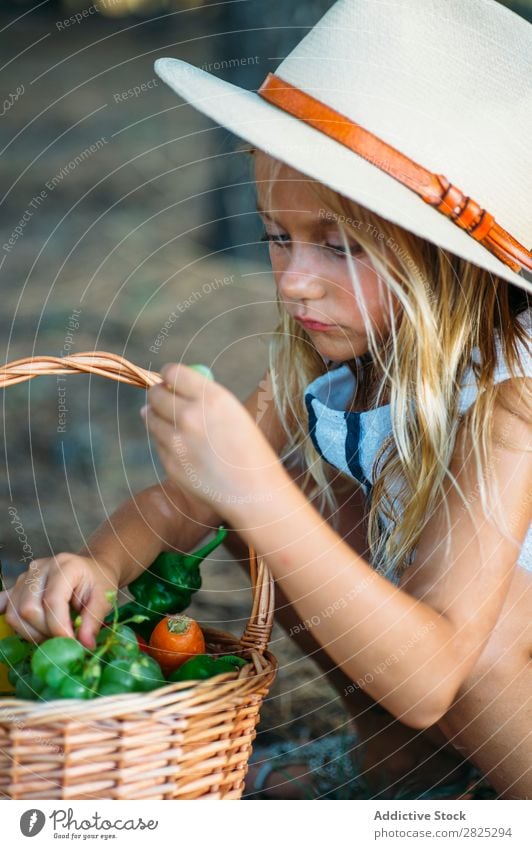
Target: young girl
{"x": 388, "y": 484}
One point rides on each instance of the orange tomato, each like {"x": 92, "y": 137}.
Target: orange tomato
{"x": 174, "y": 640}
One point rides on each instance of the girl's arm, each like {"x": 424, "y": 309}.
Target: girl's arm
{"x": 164, "y": 517}
{"x": 161, "y": 517}
{"x": 158, "y": 518}
{"x": 410, "y": 647}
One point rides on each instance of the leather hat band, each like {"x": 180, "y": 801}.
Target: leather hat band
{"x": 434, "y": 189}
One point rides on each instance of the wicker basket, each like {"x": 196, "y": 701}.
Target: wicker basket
{"x": 176, "y": 742}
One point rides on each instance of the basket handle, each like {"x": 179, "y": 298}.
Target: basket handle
{"x": 258, "y": 630}
{"x": 259, "y": 627}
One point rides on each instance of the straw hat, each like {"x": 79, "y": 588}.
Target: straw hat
{"x": 420, "y": 110}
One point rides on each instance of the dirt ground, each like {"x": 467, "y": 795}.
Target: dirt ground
{"x": 110, "y": 241}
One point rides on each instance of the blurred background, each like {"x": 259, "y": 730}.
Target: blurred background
{"x": 120, "y": 204}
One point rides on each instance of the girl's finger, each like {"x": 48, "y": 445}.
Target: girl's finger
{"x": 27, "y": 596}
{"x": 165, "y": 403}
{"x": 92, "y": 616}
{"x": 162, "y": 430}
{"x": 56, "y": 607}
{"x": 183, "y": 380}
{"x": 22, "y": 626}
{"x": 171, "y": 449}
{"x": 3, "y": 601}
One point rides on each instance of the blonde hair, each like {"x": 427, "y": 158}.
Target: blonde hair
{"x": 449, "y": 307}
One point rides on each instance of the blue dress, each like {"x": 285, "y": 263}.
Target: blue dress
{"x": 350, "y": 441}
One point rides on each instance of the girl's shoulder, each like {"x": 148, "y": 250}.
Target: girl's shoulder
{"x": 502, "y": 370}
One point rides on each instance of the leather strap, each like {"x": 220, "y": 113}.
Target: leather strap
{"x": 434, "y": 189}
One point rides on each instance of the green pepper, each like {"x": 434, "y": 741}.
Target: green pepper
{"x": 122, "y": 642}
{"x": 16, "y": 653}
{"x": 13, "y": 675}
{"x": 28, "y": 687}
{"x": 147, "y": 673}
{"x": 117, "y": 673}
{"x": 232, "y": 660}
{"x": 74, "y": 687}
{"x": 124, "y": 675}
{"x": 5, "y": 631}
{"x": 167, "y": 586}
{"x": 61, "y": 668}
{"x": 14, "y": 649}
{"x": 205, "y": 666}
{"x": 56, "y": 658}
{"x": 49, "y": 694}
{"x": 19, "y": 670}
{"x": 110, "y": 689}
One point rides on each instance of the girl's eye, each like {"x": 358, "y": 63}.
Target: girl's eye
{"x": 272, "y": 237}
{"x": 339, "y": 249}
{"x": 282, "y": 238}
{"x": 354, "y": 248}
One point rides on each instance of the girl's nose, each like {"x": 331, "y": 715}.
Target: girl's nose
{"x": 301, "y": 279}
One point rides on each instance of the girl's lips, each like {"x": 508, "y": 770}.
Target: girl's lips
{"x": 314, "y": 325}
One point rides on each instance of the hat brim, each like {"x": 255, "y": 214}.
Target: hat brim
{"x": 250, "y": 117}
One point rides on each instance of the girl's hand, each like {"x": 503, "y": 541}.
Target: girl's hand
{"x": 37, "y": 606}
{"x": 207, "y": 441}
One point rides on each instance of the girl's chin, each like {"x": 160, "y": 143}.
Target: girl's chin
{"x": 338, "y": 355}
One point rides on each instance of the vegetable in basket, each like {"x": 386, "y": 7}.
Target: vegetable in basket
{"x": 5, "y": 631}
{"x": 205, "y": 666}
{"x": 130, "y": 675}
{"x": 62, "y": 668}
{"x": 176, "y": 639}
{"x": 166, "y": 586}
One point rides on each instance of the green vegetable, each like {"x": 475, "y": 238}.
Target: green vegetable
{"x": 74, "y": 687}
{"x": 54, "y": 659}
{"x": 92, "y": 672}
{"x": 19, "y": 672}
{"x": 28, "y": 687}
{"x": 14, "y": 649}
{"x": 61, "y": 668}
{"x": 167, "y": 586}
{"x": 126, "y": 675}
{"x": 205, "y": 666}
{"x": 113, "y": 689}
{"x": 5, "y": 631}
{"x": 49, "y": 694}
{"x": 147, "y": 673}
{"x": 15, "y": 672}
{"x": 232, "y": 660}
{"x": 12, "y": 676}
{"x": 123, "y": 643}
{"x": 117, "y": 673}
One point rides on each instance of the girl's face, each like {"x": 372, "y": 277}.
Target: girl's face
{"x": 310, "y": 267}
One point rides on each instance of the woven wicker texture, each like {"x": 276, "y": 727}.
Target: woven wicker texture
{"x": 181, "y": 741}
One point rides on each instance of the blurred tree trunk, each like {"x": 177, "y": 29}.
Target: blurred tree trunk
{"x": 257, "y": 37}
